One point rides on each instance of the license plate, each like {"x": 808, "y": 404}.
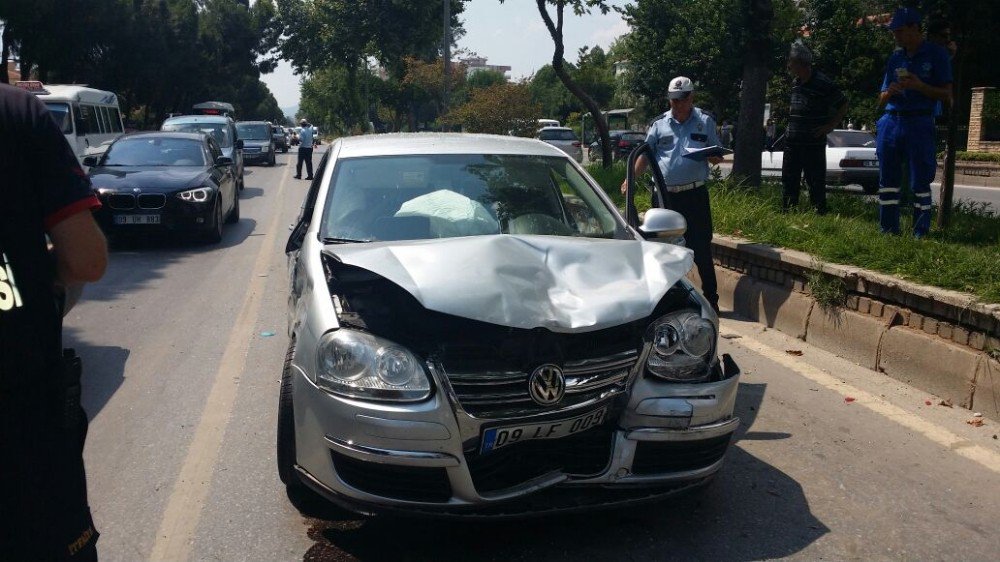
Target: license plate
{"x": 137, "y": 219}
{"x": 870, "y": 164}
{"x": 499, "y": 437}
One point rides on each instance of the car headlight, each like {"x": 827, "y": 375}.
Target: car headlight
{"x": 682, "y": 344}
{"x": 359, "y": 365}
{"x": 198, "y": 195}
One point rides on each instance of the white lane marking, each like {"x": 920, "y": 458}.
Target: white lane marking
{"x": 175, "y": 536}
{"x": 937, "y": 434}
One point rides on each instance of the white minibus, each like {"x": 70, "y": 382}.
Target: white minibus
{"x": 89, "y": 118}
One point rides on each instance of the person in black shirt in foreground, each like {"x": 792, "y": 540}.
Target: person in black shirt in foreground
{"x": 44, "y": 513}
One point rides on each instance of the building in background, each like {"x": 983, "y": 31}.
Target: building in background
{"x": 476, "y": 64}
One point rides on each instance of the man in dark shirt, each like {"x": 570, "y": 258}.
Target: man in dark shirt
{"x": 917, "y": 77}
{"x": 817, "y": 106}
{"x": 44, "y": 192}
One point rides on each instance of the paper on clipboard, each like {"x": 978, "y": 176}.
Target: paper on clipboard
{"x": 707, "y": 152}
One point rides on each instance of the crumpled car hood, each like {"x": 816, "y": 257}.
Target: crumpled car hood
{"x": 560, "y": 283}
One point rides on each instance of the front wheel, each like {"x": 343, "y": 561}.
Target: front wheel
{"x": 214, "y": 235}
{"x": 286, "y": 426}
{"x": 234, "y": 215}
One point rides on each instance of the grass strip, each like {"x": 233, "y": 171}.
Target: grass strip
{"x": 966, "y": 257}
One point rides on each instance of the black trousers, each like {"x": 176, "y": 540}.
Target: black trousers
{"x": 694, "y": 206}
{"x": 305, "y": 155}
{"x": 810, "y": 160}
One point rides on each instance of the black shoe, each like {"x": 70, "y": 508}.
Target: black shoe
{"x": 309, "y": 177}
{"x": 297, "y": 177}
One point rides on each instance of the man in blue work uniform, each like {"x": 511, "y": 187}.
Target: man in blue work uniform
{"x": 305, "y": 150}
{"x": 917, "y": 76}
{"x": 682, "y": 128}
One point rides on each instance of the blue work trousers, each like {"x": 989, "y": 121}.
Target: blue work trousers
{"x": 905, "y": 140}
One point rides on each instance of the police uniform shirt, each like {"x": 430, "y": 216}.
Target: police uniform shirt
{"x": 306, "y": 137}
{"x": 671, "y": 139}
{"x": 931, "y": 63}
{"x": 812, "y": 103}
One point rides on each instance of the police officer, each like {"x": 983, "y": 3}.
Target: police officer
{"x": 917, "y": 76}
{"x": 305, "y": 150}
{"x": 817, "y": 105}
{"x": 44, "y": 192}
{"x": 686, "y": 127}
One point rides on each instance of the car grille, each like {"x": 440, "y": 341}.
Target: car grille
{"x": 663, "y": 457}
{"x": 585, "y": 454}
{"x": 152, "y": 201}
{"x": 394, "y": 481}
{"x": 252, "y": 149}
{"x": 500, "y": 395}
{"x": 121, "y": 201}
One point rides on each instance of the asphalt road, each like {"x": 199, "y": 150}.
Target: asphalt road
{"x": 181, "y": 383}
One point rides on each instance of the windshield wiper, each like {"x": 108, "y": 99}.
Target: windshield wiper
{"x": 332, "y": 240}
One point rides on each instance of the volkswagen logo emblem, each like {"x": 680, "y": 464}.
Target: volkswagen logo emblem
{"x": 547, "y": 385}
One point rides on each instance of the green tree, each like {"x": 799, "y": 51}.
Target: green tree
{"x": 555, "y": 28}
{"x": 500, "y": 109}
{"x": 485, "y": 78}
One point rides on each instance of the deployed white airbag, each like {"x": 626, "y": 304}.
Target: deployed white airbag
{"x": 561, "y": 283}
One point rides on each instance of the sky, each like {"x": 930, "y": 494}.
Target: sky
{"x": 511, "y": 34}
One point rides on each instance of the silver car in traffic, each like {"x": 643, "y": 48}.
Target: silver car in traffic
{"x": 475, "y": 330}
{"x": 564, "y": 139}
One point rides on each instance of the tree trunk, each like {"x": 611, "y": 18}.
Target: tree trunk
{"x": 4, "y": 55}
{"x": 555, "y": 30}
{"x": 948, "y": 181}
{"x": 749, "y": 126}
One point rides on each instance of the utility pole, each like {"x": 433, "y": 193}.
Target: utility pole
{"x": 447, "y": 52}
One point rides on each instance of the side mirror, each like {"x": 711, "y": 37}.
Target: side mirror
{"x": 90, "y": 161}
{"x": 239, "y": 144}
{"x": 223, "y": 161}
{"x": 663, "y": 225}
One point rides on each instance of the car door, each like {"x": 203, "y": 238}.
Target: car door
{"x": 772, "y": 157}
{"x": 293, "y": 248}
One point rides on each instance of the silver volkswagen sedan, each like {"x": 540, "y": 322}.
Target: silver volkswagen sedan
{"x": 476, "y": 331}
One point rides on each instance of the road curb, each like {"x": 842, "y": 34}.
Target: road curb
{"x": 939, "y": 341}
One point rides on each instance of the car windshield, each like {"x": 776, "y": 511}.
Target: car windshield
{"x": 851, "y": 139}
{"x": 60, "y": 112}
{"x": 218, "y": 131}
{"x": 634, "y": 137}
{"x": 557, "y": 134}
{"x": 444, "y": 196}
{"x": 252, "y": 131}
{"x": 155, "y": 151}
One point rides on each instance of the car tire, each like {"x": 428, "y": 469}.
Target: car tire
{"x": 214, "y": 235}
{"x": 286, "y": 426}
{"x": 234, "y": 215}
{"x": 271, "y": 160}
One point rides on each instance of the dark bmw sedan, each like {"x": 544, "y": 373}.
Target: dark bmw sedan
{"x": 173, "y": 182}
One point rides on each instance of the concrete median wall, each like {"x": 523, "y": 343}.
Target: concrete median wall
{"x": 939, "y": 341}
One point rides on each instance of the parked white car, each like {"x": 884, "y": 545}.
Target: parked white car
{"x": 850, "y": 159}
{"x": 564, "y": 139}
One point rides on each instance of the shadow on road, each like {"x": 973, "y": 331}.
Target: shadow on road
{"x": 136, "y": 261}
{"x": 751, "y": 511}
{"x": 103, "y": 370}
{"x": 251, "y": 192}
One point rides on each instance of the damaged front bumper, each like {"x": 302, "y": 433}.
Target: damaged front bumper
{"x": 659, "y": 439}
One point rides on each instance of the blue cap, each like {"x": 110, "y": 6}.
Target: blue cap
{"x": 902, "y": 17}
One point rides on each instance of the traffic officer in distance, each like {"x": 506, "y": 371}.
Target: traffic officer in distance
{"x": 917, "y": 77}
{"x": 305, "y": 150}
{"x": 686, "y": 127}
{"x": 817, "y": 105}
